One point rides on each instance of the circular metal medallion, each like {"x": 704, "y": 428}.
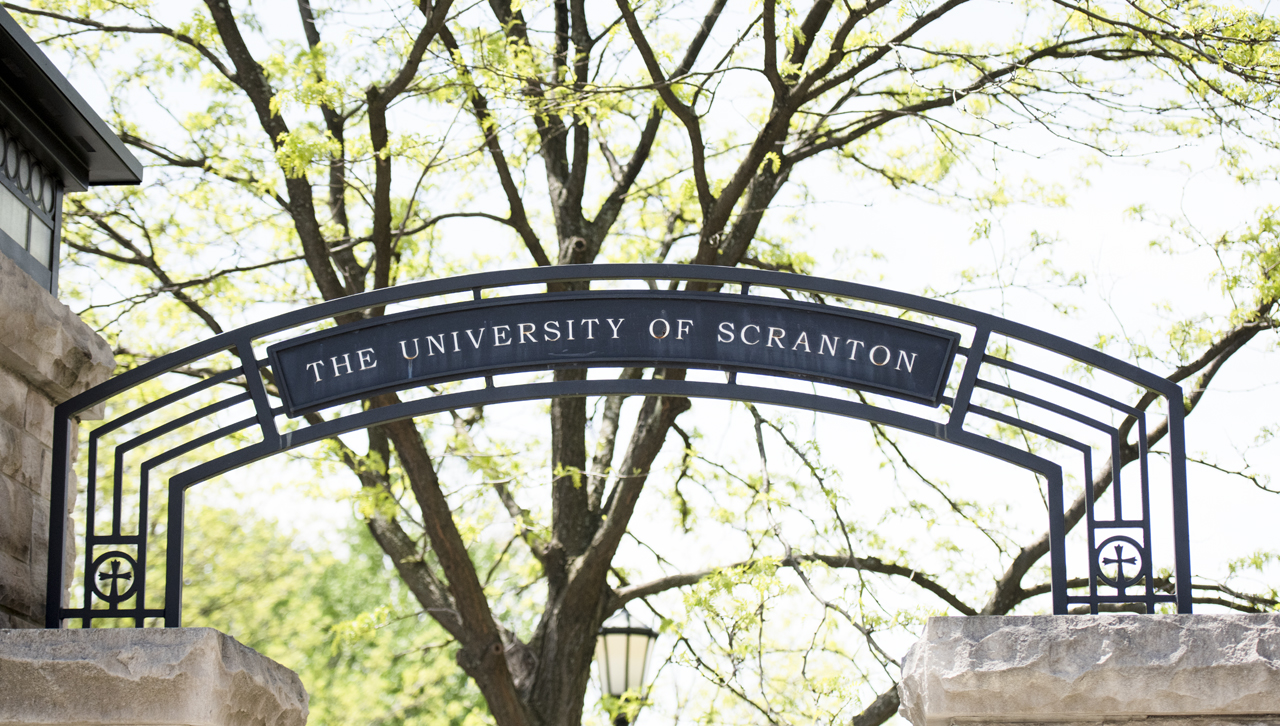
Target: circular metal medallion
{"x": 121, "y": 567}
{"x": 1124, "y": 557}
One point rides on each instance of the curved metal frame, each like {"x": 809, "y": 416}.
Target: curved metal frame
{"x": 274, "y": 441}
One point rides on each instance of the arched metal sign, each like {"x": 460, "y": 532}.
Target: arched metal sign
{"x": 602, "y": 329}
{"x": 844, "y": 337}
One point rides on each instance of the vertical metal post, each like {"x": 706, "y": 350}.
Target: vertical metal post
{"x": 1091, "y": 520}
{"x": 90, "y": 525}
{"x": 1178, "y": 474}
{"x": 144, "y": 484}
{"x": 173, "y": 557}
{"x": 57, "y": 518}
{"x": 1057, "y": 540}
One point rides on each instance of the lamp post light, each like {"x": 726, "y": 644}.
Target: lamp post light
{"x": 622, "y": 655}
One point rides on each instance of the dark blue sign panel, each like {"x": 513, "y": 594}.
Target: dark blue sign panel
{"x": 614, "y": 329}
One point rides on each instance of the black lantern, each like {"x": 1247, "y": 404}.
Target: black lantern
{"x": 622, "y": 654}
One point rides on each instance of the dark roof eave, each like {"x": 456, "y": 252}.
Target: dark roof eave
{"x": 56, "y": 122}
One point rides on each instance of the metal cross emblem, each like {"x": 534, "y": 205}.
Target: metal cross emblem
{"x": 1119, "y": 561}
{"x": 114, "y": 578}
{"x": 1121, "y": 546}
{"x": 118, "y": 576}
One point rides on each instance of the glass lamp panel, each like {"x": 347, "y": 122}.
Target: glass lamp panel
{"x": 13, "y": 217}
{"x": 615, "y": 666}
{"x": 616, "y": 656}
{"x": 637, "y": 659}
{"x": 602, "y": 663}
{"x": 41, "y": 242}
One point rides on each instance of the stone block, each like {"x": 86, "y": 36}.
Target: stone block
{"x": 1080, "y": 669}
{"x": 16, "y": 507}
{"x": 21, "y": 456}
{"x": 40, "y": 546}
{"x": 39, "y": 417}
{"x": 10, "y": 448}
{"x": 47, "y": 355}
{"x": 45, "y": 475}
{"x": 39, "y": 527}
{"x": 18, "y": 594}
{"x": 13, "y": 397}
{"x": 16, "y": 622}
{"x": 19, "y": 622}
{"x": 131, "y": 676}
{"x": 32, "y": 461}
{"x": 45, "y": 342}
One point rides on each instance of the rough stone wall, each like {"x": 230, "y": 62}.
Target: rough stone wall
{"x": 1094, "y": 670}
{"x": 130, "y": 676}
{"x": 47, "y": 355}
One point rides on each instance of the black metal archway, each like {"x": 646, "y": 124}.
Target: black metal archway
{"x": 251, "y": 369}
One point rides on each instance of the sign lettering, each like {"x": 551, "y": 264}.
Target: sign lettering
{"x": 614, "y": 329}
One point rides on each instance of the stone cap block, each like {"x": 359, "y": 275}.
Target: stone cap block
{"x": 1078, "y": 669}
{"x": 143, "y": 677}
{"x": 46, "y": 343}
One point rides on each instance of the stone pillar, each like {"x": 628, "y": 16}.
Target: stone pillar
{"x": 47, "y": 355}
{"x": 1084, "y": 670}
{"x": 102, "y": 677}
{"x": 132, "y": 676}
